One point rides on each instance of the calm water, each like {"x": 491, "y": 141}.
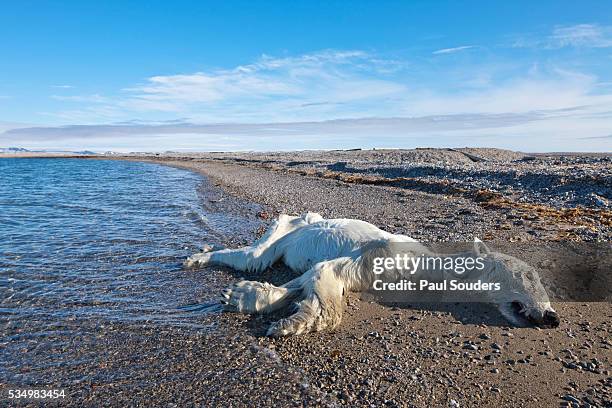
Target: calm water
{"x": 99, "y": 240}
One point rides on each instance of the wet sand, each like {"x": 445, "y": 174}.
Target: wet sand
{"x": 380, "y": 355}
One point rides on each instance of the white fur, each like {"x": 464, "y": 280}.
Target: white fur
{"x": 331, "y": 254}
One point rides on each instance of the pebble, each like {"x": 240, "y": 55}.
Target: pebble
{"x": 571, "y": 398}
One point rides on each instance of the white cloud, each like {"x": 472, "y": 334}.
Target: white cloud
{"x": 329, "y": 85}
{"x": 313, "y": 86}
{"x": 453, "y": 50}
{"x": 582, "y": 35}
{"x": 6, "y": 126}
{"x": 304, "y": 102}
{"x": 535, "y": 131}
{"x": 95, "y": 98}
{"x": 62, "y": 86}
{"x": 577, "y": 36}
{"x": 550, "y": 91}
{"x": 512, "y": 117}
{"x": 281, "y": 85}
{"x": 387, "y": 126}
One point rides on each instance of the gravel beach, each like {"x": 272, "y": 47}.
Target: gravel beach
{"x": 449, "y": 355}
{"x": 549, "y": 196}
{"x": 446, "y": 355}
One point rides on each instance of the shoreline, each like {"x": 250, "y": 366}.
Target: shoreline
{"x": 524, "y": 194}
{"x": 405, "y": 355}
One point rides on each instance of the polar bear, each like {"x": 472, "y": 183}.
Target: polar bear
{"x": 334, "y": 256}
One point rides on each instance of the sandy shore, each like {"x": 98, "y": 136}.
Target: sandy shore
{"x": 413, "y": 356}
{"x": 404, "y": 356}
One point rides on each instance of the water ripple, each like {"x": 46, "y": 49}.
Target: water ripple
{"x": 88, "y": 239}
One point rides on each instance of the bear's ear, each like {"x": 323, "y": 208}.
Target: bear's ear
{"x": 480, "y": 248}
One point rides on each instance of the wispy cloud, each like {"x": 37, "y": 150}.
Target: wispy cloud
{"x": 270, "y": 88}
{"x": 327, "y": 85}
{"x": 7, "y": 126}
{"x": 388, "y": 126}
{"x": 546, "y": 91}
{"x": 62, "y": 86}
{"x": 582, "y": 35}
{"x": 598, "y": 137}
{"x": 453, "y": 50}
{"x": 332, "y": 98}
{"x": 576, "y": 36}
{"x": 543, "y": 130}
{"x": 95, "y": 98}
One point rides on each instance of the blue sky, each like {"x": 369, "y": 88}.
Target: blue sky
{"x": 158, "y": 75}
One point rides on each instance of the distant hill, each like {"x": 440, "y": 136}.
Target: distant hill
{"x": 22, "y": 150}
{"x": 13, "y": 150}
